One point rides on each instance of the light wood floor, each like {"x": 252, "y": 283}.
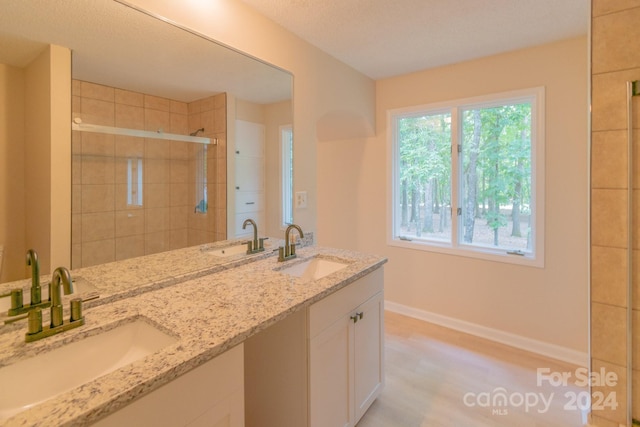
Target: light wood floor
{"x": 430, "y": 370}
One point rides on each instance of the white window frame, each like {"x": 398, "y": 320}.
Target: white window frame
{"x": 286, "y": 184}
{"x": 533, "y": 95}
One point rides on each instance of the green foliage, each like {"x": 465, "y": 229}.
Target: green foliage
{"x": 496, "y": 161}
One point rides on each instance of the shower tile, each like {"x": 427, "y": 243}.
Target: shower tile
{"x": 195, "y": 121}
{"x": 207, "y": 104}
{"x": 156, "y": 120}
{"x": 220, "y": 195}
{"x": 207, "y": 119}
{"x": 98, "y": 144}
{"x": 220, "y": 100}
{"x": 609, "y": 275}
{"x": 156, "y": 242}
{"x": 76, "y": 198}
{"x": 98, "y": 198}
{"x": 128, "y": 97}
{"x": 602, "y": 7}
{"x": 130, "y": 117}
{"x": 76, "y": 106}
{"x": 99, "y": 252}
{"x": 129, "y": 222}
{"x": 157, "y": 148}
{"x": 609, "y": 100}
{"x": 178, "y": 239}
{"x": 636, "y": 394}
{"x": 129, "y": 146}
{"x": 76, "y": 256}
{"x": 157, "y": 103}
{"x": 179, "y": 107}
{"x": 121, "y": 197}
{"x": 96, "y": 112}
{"x": 76, "y": 169}
{"x": 615, "y": 390}
{"x": 76, "y": 87}
{"x": 98, "y": 170}
{"x": 179, "y": 171}
{"x": 194, "y": 107}
{"x": 180, "y": 151}
{"x": 609, "y": 159}
{"x": 76, "y": 229}
{"x": 179, "y": 195}
{"x": 612, "y": 34}
{"x": 636, "y": 279}
{"x": 157, "y": 170}
{"x": 179, "y": 218}
{"x": 220, "y": 120}
{"x": 129, "y": 247}
{"x": 221, "y": 171}
{"x": 96, "y": 91}
{"x": 609, "y": 218}
{"x": 608, "y": 333}
{"x": 220, "y": 219}
{"x": 179, "y": 124}
{"x": 157, "y": 195}
{"x": 157, "y": 220}
{"x": 98, "y": 226}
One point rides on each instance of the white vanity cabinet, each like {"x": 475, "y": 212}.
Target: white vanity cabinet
{"x": 346, "y": 348}
{"x": 210, "y": 395}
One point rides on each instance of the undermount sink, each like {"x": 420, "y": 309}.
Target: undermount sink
{"x": 42, "y": 377}
{"x": 314, "y": 268}
{"x": 81, "y": 288}
{"x": 229, "y": 251}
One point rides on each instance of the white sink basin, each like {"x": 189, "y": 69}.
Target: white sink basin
{"x": 314, "y": 269}
{"x": 229, "y": 251}
{"x": 81, "y": 287}
{"x": 34, "y": 380}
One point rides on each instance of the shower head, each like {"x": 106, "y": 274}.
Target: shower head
{"x": 196, "y": 132}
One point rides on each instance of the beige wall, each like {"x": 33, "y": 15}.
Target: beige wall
{"x": 326, "y": 91}
{"x": 12, "y": 216}
{"x": 615, "y": 60}
{"x": 546, "y": 305}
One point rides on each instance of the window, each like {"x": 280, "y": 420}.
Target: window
{"x": 467, "y": 177}
{"x": 286, "y": 175}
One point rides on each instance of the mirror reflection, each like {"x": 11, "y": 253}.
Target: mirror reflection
{"x": 176, "y": 139}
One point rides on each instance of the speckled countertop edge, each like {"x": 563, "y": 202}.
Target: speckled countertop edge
{"x": 210, "y": 314}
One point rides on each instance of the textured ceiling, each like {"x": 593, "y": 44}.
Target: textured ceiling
{"x": 383, "y": 38}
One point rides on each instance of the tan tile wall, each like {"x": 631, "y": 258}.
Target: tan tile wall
{"x": 615, "y": 42}
{"x": 104, "y": 227}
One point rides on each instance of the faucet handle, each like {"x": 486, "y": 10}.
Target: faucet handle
{"x": 261, "y": 242}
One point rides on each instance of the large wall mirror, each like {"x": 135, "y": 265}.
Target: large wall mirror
{"x": 176, "y": 139}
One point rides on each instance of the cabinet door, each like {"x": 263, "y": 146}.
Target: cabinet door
{"x": 368, "y": 353}
{"x": 330, "y": 368}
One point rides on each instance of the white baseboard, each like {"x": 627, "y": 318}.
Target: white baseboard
{"x": 535, "y": 346}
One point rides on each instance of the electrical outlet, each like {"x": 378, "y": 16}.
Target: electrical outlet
{"x": 301, "y": 199}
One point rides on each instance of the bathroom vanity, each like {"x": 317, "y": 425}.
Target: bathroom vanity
{"x": 232, "y": 335}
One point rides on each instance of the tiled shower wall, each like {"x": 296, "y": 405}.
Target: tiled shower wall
{"x": 615, "y": 46}
{"x": 105, "y": 227}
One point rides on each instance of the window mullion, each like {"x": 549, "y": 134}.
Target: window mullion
{"x": 455, "y": 165}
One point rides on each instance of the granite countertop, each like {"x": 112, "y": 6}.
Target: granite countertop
{"x": 134, "y": 276}
{"x": 208, "y": 314}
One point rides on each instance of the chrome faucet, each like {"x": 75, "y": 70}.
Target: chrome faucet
{"x": 289, "y": 249}
{"x": 60, "y": 282}
{"x": 257, "y": 245}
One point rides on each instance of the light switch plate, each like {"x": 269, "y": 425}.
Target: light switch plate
{"x": 301, "y": 199}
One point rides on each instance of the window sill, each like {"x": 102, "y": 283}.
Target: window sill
{"x": 486, "y": 254}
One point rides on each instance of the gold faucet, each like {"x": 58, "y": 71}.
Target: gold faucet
{"x": 289, "y": 249}
{"x": 17, "y": 301}
{"x": 61, "y": 278}
{"x": 258, "y": 244}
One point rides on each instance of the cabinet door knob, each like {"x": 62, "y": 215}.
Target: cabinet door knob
{"x": 360, "y": 315}
{"x": 354, "y": 318}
